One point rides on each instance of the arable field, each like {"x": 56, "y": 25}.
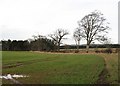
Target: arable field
{"x": 50, "y": 68}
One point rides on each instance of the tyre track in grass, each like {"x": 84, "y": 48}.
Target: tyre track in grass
{"x": 17, "y": 64}
{"x": 103, "y": 75}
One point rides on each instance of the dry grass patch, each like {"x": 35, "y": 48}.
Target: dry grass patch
{"x": 112, "y": 67}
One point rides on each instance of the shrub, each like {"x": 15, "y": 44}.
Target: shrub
{"x": 76, "y": 51}
{"x": 97, "y": 51}
{"x": 109, "y": 50}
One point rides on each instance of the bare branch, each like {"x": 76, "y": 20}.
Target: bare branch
{"x": 58, "y": 36}
{"x": 92, "y": 25}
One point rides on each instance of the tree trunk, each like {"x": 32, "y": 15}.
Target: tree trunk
{"x": 58, "y": 47}
{"x": 87, "y": 48}
{"x": 78, "y": 45}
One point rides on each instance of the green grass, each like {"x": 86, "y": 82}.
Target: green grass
{"x": 47, "y": 68}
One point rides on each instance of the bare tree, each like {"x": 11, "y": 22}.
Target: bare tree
{"x": 58, "y": 36}
{"x": 77, "y": 37}
{"x": 93, "y": 27}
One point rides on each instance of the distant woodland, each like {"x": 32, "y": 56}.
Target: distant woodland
{"x": 44, "y": 44}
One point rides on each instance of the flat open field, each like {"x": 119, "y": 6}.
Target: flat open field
{"x": 50, "y": 68}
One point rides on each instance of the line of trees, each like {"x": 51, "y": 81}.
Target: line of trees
{"x": 15, "y": 45}
{"x": 37, "y": 44}
{"x": 90, "y": 28}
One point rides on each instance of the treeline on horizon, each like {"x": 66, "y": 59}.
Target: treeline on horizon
{"x": 44, "y": 44}
{"x": 41, "y": 44}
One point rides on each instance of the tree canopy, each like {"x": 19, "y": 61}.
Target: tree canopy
{"x": 93, "y": 27}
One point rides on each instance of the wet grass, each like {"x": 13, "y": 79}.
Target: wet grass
{"x": 46, "y": 68}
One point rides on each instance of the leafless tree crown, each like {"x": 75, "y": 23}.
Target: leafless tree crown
{"x": 58, "y": 36}
{"x": 93, "y": 26}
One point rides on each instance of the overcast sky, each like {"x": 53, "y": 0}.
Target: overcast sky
{"x": 20, "y": 19}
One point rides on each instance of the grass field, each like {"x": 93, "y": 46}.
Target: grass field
{"x": 48, "y": 68}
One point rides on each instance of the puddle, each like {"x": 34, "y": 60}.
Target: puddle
{"x": 9, "y": 76}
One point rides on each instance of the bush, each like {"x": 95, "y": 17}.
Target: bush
{"x": 76, "y": 51}
{"x": 109, "y": 50}
{"x": 97, "y": 51}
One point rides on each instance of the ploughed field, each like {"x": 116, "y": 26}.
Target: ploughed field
{"x": 52, "y": 68}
